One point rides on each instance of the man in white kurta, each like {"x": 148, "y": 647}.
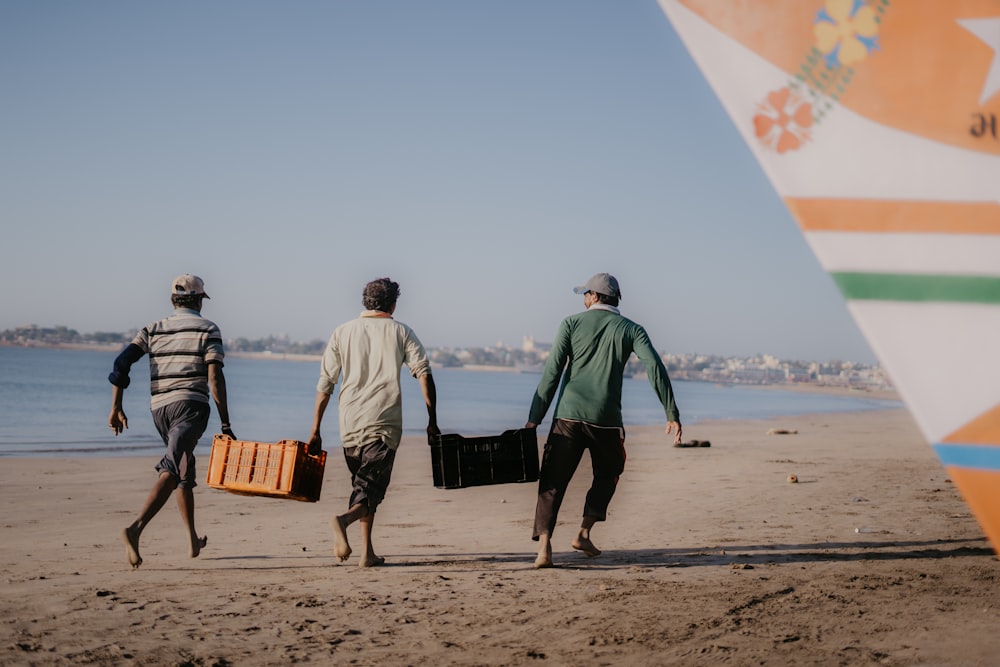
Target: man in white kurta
{"x": 366, "y": 356}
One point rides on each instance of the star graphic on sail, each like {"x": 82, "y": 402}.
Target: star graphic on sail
{"x": 987, "y": 30}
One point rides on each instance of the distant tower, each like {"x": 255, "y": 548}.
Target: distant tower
{"x": 528, "y": 344}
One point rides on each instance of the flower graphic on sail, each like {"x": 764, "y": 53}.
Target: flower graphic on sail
{"x": 846, "y": 32}
{"x": 783, "y": 120}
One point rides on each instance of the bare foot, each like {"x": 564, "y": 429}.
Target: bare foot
{"x": 341, "y": 547}
{"x": 371, "y": 561}
{"x": 543, "y": 561}
{"x": 586, "y": 546}
{"x": 131, "y": 539}
{"x": 198, "y": 545}
{"x": 544, "y": 558}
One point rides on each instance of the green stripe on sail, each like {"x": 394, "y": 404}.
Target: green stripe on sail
{"x": 906, "y": 287}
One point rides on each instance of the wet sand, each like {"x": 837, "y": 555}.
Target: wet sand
{"x": 711, "y": 556}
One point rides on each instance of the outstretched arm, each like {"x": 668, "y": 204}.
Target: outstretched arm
{"x": 656, "y": 372}
{"x": 117, "y": 421}
{"x": 119, "y": 380}
{"x": 315, "y": 439}
{"x": 429, "y": 390}
{"x": 217, "y": 385}
{"x": 551, "y": 375}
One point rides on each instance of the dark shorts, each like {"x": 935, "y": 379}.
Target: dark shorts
{"x": 371, "y": 469}
{"x": 180, "y": 424}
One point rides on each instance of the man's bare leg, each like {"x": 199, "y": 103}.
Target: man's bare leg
{"x": 341, "y": 547}
{"x": 544, "y": 558}
{"x": 185, "y": 503}
{"x": 582, "y": 541}
{"x": 158, "y": 496}
{"x": 369, "y": 558}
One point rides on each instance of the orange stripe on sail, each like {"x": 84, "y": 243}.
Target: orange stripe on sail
{"x": 981, "y": 491}
{"x": 886, "y": 217}
{"x": 983, "y": 430}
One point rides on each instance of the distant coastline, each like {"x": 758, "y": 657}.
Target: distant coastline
{"x": 94, "y": 347}
{"x": 886, "y": 393}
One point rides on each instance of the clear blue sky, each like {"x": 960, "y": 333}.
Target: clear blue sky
{"x": 487, "y": 155}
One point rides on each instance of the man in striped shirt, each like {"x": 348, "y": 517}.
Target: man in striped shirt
{"x": 185, "y": 365}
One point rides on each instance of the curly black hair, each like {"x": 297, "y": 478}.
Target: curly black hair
{"x": 380, "y": 294}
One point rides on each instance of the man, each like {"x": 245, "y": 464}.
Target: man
{"x": 366, "y": 354}
{"x": 590, "y": 350}
{"x": 185, "y": 364}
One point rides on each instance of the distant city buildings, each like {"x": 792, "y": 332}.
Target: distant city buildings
{"x": 763, "y": 369}
{"x": 756, "y": 370}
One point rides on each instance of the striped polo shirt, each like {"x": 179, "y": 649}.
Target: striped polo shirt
{"x": 180, "y": 348}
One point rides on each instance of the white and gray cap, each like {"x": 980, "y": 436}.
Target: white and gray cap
{"x": 188, "y": 285}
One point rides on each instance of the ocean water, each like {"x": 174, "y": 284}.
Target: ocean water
{"x": 56, "y": 403}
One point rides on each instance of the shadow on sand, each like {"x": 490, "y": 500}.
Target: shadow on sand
{"x": 730, "y": 555}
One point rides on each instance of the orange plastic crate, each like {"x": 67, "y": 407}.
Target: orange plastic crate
{"x": 278, "y": 470}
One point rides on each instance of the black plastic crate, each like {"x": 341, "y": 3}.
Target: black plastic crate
{"x": 459, "y": 462}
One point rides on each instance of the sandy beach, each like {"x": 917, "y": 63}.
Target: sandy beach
{"x": 711, "y": 556}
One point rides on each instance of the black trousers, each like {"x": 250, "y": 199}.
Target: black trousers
{"x": 563, "y": 450}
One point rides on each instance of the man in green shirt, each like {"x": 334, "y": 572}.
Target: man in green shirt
{"x": 589, "y": 355}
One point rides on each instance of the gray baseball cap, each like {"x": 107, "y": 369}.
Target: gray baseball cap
{"x": 602, "y": 283}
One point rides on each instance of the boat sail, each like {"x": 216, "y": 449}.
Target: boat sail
{"x": 878, "y": 123}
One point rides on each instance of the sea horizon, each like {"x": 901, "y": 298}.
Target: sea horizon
{"x": 56, "y": 402}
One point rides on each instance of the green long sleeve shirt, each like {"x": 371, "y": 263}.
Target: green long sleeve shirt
{"x": 589, "y": 355}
